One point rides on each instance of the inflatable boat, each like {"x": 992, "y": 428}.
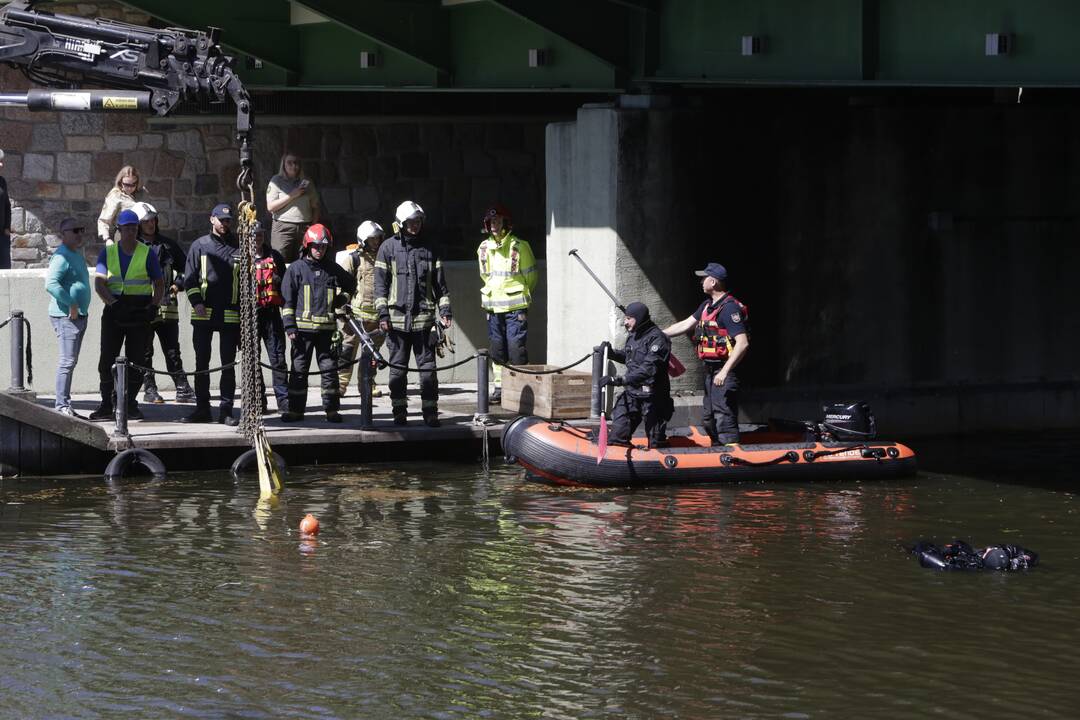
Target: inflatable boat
{"x": 566, "y": 453}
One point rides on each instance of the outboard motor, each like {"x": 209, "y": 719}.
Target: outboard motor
{"x": 848, "y": 421}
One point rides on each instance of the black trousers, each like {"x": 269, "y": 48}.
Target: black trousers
{"x": 508, "y": 336}
{"x": 421, "y": 344}
{"x": 272, "y": 334}
{"x": 132, "y": 337}
{"x": 303, "y": 346}
{"x": 228, "y": 340}
{"x": 721, "y": 406}
{"x": 630, "y": 410}
{"x": 168, "y": 335}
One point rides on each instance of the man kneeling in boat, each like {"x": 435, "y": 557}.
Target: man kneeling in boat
{"x": 648, "y": 389}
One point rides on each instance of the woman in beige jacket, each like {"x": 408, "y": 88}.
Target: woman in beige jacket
{"x": 127, "y": 190}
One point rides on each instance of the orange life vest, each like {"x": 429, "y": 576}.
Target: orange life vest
{"x": 267, "y": 284}
{"x": 713, "y": 343}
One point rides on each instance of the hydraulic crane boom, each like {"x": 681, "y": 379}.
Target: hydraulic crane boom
{"x": 158, "y": 68}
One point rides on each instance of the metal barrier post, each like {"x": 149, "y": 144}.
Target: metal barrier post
{"x": 17, "y": 349}
{"x": 367, "y": 375}
{"x": 483, "y": 406}
{"x": 120, "y": 386}
{"x": 596, "y": 399}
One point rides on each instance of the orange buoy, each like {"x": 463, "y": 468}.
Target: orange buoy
{"x": 309, "y": 525}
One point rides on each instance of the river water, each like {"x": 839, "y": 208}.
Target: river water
{"x": 437, "y": 590}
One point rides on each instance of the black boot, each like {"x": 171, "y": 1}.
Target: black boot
{"x": 104, "y": 411}
{"x": 201, "y": 415}
{"x": 184, "y": 392}
{"x": 710, "y": 430}
{"x": 431, "y": 419}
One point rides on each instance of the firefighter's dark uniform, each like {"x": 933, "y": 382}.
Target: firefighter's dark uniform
{"x": 167, "y": 324}
{"x": 410, "y": 289}
{"x": 648, "y": 390}
{"x": 211, "y": 279}
{"x": 310, "y": 289}
{"x": 718, "y": 324}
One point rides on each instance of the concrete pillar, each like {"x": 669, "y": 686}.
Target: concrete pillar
{"x": 613, "y": 192}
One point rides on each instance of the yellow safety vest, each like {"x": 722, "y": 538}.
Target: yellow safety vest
{"x": 508, "y": 270}
{"x": 137, "y": 281}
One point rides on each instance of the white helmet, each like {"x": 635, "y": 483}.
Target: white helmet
{"x": 367, "y": 230}
{"x": 408, "y": 210}
{"x": 144, "y": 211}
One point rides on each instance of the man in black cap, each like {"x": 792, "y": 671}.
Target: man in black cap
{"x": 211, "y": 283}
{"x": 648, "y": 391}
{"x": 719, "y": 326}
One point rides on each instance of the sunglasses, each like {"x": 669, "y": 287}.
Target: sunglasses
{"x": 127, "y": 184}
{"x": 75, "y": 230}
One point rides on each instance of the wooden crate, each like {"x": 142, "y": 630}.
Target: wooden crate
{"x": 558, "y": 396}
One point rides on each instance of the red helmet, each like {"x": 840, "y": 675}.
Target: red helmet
{"x": 497, "y": 210}
{"x": 317, "y": 234}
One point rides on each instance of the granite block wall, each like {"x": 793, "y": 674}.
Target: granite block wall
{"x": 60, "y": 164}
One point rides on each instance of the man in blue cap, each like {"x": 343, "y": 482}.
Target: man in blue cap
{"x": 212, "y": 286}
{"x": 128, "y": 279}
{"x": 720, "y": 335}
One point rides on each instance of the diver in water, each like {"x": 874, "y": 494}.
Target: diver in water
{"x": 958, "y": 555}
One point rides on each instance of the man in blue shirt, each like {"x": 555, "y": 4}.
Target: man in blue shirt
{"x": 68, "y": 282}
{"x": 128, "y": 279}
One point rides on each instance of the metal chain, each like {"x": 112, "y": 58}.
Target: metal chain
{"x": 250, "y": 371}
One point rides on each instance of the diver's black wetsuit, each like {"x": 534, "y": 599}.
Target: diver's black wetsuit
{"x": 958, "y": 555}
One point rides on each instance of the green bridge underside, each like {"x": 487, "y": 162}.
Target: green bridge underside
{"x": 620, "y": 45}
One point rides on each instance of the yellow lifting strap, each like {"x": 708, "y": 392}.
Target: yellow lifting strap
{"x": 251, "y": 424}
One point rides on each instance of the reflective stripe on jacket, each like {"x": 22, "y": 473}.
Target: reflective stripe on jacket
{"x": 361, "y": 265}
{"x": 172, "y": 259}
{"x": 410, "y": 285}
{"x": 309, "y": 289}
{"x": 211, "y": 279}
{"x": 137, "y": 280}
{"x": 508, "y": 269}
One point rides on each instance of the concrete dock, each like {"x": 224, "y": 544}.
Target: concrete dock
{"x": 36, "y": 440}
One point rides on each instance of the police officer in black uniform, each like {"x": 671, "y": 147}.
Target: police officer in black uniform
{"x": 211, "y": 283}
{"x": 720, "y": 335}
{"x": 648, "y": 390}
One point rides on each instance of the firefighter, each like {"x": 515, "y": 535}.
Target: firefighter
{"x": 648, "y": 390}
{"x": 269, "y": 274}
{"x": 129, "y": 281}
{"x": 313, "y": 286}
{"x": 721, "y": 338}
{"x": 211, "y": 280}
{"x": 508, "y": 271}
{"x": 412, "y": 269}
{"x": 359, "y": 261}
{"x": 167, "y": 324}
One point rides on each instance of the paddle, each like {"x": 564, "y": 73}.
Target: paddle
{"x": 601, "y": 445}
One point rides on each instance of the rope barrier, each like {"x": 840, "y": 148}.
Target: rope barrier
{"x": 525, "y": 371}
{"x": 336, "y": 368}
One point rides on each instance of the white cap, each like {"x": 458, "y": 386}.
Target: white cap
{"x": 144, "y": 210}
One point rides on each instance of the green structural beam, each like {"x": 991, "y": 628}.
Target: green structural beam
{"x": 413, "y": 28}
{"x": 259, "y": 28}
{"x": 601, "y": 27}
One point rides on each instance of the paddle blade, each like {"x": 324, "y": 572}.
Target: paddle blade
{"x": 674, "y": 367}
{"x": 601, "y": 444}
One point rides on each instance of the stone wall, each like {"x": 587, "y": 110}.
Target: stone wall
{"x": 60, "y": 164}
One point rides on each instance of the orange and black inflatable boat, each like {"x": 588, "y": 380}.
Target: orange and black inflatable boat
{"x": 566, "y": 454}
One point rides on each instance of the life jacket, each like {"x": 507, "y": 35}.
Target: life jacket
{"x": 713, "y": 343}
{"x": 267, "y": 284}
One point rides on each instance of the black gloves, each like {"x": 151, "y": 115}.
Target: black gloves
{"x": 612, "y": 380}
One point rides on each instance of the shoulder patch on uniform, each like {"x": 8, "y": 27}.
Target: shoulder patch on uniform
{"x": 654, "y": 348}
{"x": 736, "y": 317}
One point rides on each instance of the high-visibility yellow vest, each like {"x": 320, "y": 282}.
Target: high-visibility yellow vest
{"x": 508, "y": 269}
{"x": 137, "y": 280}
